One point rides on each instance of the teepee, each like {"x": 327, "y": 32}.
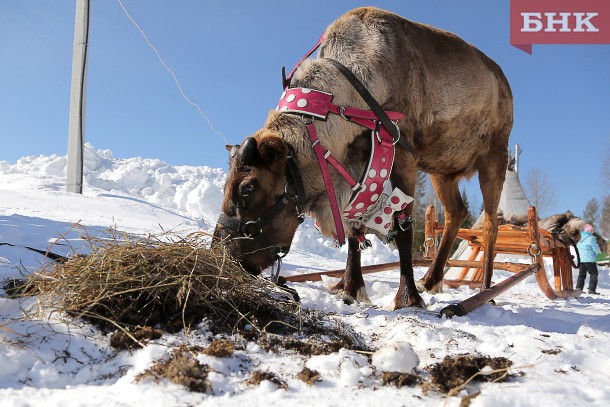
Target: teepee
{"x": 513, "y": 201}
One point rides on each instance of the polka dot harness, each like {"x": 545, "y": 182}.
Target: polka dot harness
{"x": 369, "y": 206}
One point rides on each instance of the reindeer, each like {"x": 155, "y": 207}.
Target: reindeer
{"x": 456, "y": 114}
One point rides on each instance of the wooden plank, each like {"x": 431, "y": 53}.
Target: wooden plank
{"x": 376, "y": 268}
{"x": 474, "y": 302}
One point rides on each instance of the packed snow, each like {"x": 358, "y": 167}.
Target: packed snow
{"x": 558, "y": 348}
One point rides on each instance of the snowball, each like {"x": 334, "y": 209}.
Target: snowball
{"x": 396, "y": 358}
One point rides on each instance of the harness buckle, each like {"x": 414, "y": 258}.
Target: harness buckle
{"x": 397, "y": 132}
{"x": 404, "y": 222}
{"x": 363, "y": 242}
{"x": 307, "y": 120}
{"x": 275, "y": 271}
{"x": 342, "y": 113}
{"x": 277, "y": 257}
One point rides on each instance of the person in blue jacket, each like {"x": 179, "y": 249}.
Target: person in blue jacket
{"x": 588, "y": 250}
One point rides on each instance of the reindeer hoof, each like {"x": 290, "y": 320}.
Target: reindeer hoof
{"x": 407, "y": 301}
{"x": 350, "y": 297}
{"x": 436, "y": 289}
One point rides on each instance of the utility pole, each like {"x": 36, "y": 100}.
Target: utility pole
{"x": 76, "y": 128}
{"x": 518, "y": 151}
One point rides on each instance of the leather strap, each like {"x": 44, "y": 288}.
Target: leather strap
{"x": 286, "y": 81}
{"x": 353, "y": 112}
{"x": 373, "y": 104}
{"x": 330, "y": 189}
{"x": 296, "y": 180}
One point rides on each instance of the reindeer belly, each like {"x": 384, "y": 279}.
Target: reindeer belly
{"x": 453, "y": 152}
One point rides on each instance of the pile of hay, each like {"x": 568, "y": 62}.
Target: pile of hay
{"x": 165, "y": 281}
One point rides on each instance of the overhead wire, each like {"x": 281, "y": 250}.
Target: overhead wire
{"x": 184, "y": 96}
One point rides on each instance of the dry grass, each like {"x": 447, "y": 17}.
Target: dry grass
{"x": 181, "y": 368}
{"x": 309, "y": 376}
{"x": 258, "y": 376}
{"x": 166, "y": 281}
{"x": 220, "y": 348}
{"x": 134, "y": 338}
{"x": 456, "y": 371}
{"x": 400, "y": 379}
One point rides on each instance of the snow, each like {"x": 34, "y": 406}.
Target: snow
{"x": 52, "y": 360}
{"x": 396, "y": 358}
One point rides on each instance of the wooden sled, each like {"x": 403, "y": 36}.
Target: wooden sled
{"x": 529, "y": 240}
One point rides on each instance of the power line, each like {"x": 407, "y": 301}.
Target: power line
{"x": 189, "y": 101}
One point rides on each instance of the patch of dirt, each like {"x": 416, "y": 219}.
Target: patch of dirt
{"x": 258, "y": 376}
{"x": 309, "y": 376}
{"x": 399, "y": 379}
{"x": 467, "y": 399}
{"x": 277, "y": 344}
{"x": 456, "y": 370}
{"x": 220, "y": 348}
{"x": 134, "y": 338}
{"x": 181, "y": 368}
{"x": 318, "y": 336}
{"x": 554, "y": 351}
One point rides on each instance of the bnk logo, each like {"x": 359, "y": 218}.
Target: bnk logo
{"x": 559, "y": 22}
{"x": 567, "y": 22}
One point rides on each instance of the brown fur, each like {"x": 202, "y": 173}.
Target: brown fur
{"x": 458, "y": 116}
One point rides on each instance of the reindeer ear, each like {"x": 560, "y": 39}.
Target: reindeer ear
{"x": 273, "y": 151}
{"x": 232, "y": 149}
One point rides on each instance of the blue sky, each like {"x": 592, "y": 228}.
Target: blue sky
{"x": 228, "y": 57}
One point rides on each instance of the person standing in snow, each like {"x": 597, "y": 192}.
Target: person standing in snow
{"x": 588, "y": 250}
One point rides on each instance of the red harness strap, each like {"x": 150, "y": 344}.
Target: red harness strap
{"x": 286, "y": 81}
{"x": 317, "y": 104}
{"x": 323, "y": 155}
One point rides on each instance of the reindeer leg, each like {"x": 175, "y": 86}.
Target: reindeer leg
{"x": 491, "y": 178}
{"x": 448, "y": 192}
{"x": 351, "y": 286}
{"x": 403, "y": 177}
{"x": 407, "y": 295}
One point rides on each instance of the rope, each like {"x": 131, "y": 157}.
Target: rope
{"x": 186, "y": 98}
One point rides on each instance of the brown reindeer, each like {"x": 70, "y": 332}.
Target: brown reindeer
{"x": 458, "y": 116}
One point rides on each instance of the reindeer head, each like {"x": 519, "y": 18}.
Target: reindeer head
{"x": 259, "y": 213}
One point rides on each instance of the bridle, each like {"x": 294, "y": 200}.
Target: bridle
{"x": 294, "y": 193}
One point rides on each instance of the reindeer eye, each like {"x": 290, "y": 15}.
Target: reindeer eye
{"x": 247, "y": 189}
